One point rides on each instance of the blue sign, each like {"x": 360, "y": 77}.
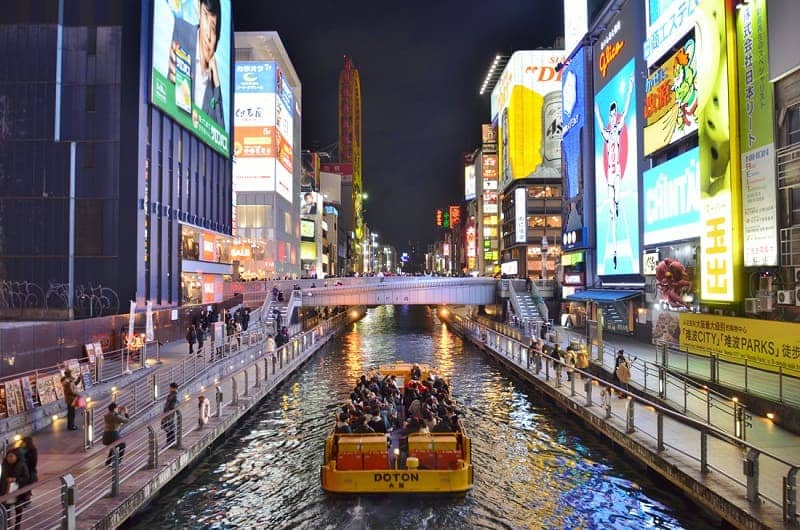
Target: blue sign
{"x": 671, "y": 200}
{"x": 573, "y": 104}
{"x": 255, "y": 77}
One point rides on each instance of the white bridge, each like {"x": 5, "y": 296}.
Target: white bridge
{"x": 401, "y": 291}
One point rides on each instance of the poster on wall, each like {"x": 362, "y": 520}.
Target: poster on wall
{"x": 757, "y": 137}
{"x": 670, "y": 103}
{"x": 616, "y": 186}
{"x": 720, "y": 253}
{"x": 191, "y": 56}
{"x": 45, "y": 387}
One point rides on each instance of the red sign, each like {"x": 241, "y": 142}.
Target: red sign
{"x": 455, "y": 215}
{"x": 438, "y": 217}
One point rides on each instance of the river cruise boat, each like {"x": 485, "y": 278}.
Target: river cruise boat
{"x": 397, "y": 462}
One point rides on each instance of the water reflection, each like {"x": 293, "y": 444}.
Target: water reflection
{"x": 535, "y": 468}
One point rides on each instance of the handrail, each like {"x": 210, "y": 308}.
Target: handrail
{"x": 701, "y": 426}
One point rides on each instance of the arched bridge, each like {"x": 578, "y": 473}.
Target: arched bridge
{"x": 403, "y": 290}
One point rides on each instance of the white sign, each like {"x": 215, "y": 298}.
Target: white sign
{"x": 758, "y": 198}
{"x": 149, "y": 331}
{"x": 509, "y": 268}
{"x": 521, "y": 215}
{"x": 649, "y": 263}
{"x": 131, "y": 321}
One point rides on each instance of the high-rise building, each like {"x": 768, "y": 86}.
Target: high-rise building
{"x": 350, "y": 154}
{"x": 115, "y": 172}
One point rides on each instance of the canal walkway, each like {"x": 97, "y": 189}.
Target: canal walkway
{"x": 751, "y": 484}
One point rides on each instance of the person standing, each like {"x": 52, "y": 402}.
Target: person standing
{"x": 171, "y": 403}
{"x": 16, "y": 475}
{"x": 191, "y": 338}
{"x": 622, "y": 372}
{"x": 201, "y": 337}
{"x": 114, "y": 418}
{"x": 71, "y": 395}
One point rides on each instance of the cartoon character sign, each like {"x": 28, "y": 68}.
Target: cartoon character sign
{"x": 683, "y": 86}
{"x": 673, "y": 282}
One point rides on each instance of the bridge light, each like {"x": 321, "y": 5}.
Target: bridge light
{"x": 444, "y": 312}
{"x": 353, "y": 314}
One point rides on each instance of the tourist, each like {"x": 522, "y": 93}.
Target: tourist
{"x": 113, "y": 419}
{"x": 71, "y": 397}
{"x": 15, "y": 475}
{"x": 191, "y": 338}
{"x": 168, "y": 422}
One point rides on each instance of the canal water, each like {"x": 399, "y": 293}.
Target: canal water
{"x": 534, "y": 466}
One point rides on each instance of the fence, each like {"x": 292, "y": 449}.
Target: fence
{"x": 759, "y": 474}
{"x": 57, "y": 502}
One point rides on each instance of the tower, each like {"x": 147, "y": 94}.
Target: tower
{"x": 350, "y": 152}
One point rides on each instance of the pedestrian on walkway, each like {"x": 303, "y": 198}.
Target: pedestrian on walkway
{"x": 27, "y": 449}
{"x": 569, "y": 362}
{"x": 203, "y": 410}
{"x": 113, "y": 419}
{"x": 71, "y": 395}
{"x": 168, "y": 423}
{"x": 16, "y": 475}
{"x": 622, "y": 372}
{"x": 582, "y": 360}
{"x": 201, "y": 338}
{"x": 191, "y": 338}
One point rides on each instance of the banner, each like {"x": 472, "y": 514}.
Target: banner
{"x": 149, "y": 332}
{"x": 768, "y": 342}
{"x": 131, "y": 322}
{"x": 756, "y": 116}
{"x": 671, "y": 211}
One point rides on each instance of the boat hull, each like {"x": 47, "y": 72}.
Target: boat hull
{"x": 396, "y": 480}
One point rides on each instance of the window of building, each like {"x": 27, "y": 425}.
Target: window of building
{"x": 287, "y": 222}
{"x": 91, "y": 95}
{"x": 544, "y": 191}
{"x": 793, "y": 125}
{"x": 88, "y": 155}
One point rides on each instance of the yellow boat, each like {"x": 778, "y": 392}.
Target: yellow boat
{"x": 374, "y": 463}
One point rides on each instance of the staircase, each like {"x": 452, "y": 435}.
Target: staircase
{"x": 615, "y": 318}
{"x": 526, "y": 307}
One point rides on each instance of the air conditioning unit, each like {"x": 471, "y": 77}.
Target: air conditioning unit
{"x": 766, "y": 303}
{"x": 797, "y": 295}
{"x": 751, "y": 305}
{"x": 786, "y": 297}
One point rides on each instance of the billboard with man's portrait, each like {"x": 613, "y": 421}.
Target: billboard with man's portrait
{"x": 190, "y": 79}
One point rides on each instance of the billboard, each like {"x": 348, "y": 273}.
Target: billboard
{"x": 671, "y": 99}
{"x": 284, "y": 125}
{"x": 526, "y": 102}
{"x": 671, "y": 209}
{"x": 520, "y": 215}
{"x": 455, "y": 216}
{"x": 310, "y": 203}
{"x": 309, "y": 171}
{"x": 330, "y": 184}
{"x": 573, "y": 98}
{"x": 757, "y": 140}
{"x": 720, "y": 254}
{"x": 489, "y": 171}
{"x": 307, "y": 229}
{"x": 345, "y": 169}
{"x": 255, "y": 143}
{"x": 470, "y": 188}
{"x": 190, "y": 76}
{"x": 667, "y": 22}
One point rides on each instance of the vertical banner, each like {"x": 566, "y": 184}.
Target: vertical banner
{"x": 149, "y": 332}
{"x": 131, "y": 321}
{"x": 756, "y": 136}
{"x": 719, "y": 249}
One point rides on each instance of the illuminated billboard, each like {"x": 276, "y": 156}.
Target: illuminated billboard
{"x": 191, "y": 57}
{"x": 671, "y": 209}
{"x": 284, "y": 125}
{"x": 720, "y": 254}
{"x": 757, "y": 137}
{"x": 307, "y": 229}
{"x": 527, "y": 105}
{"x": 520, "y": 215}
{"x": 573, "y": 97}
{"x": 667, "y": 21}
{"x": 670, "y": 103}
{"x": 254, "y": 136}
{"x": 470, "y": 188}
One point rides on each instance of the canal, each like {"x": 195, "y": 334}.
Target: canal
{"x": 534, "y": 466}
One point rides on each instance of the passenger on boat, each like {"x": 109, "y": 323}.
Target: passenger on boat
{"x": 376, "y": 422}
{"x": 416, "y": 373}
{"x": 443, "y": 425}
{"x": 362, "y": 427}
{"x": 341, "y": 423}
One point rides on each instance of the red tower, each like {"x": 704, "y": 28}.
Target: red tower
{"x": 350, "y": 148}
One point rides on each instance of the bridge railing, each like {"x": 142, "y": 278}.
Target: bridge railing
{"x": 758, "y": 473}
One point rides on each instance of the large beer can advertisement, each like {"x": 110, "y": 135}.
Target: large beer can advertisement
{"x": 255, "y": 139}
{"x": 190, "y": 76}
{"x": 720, "y": 254}
{"x": 757, "y": 137}
{"x": 616, "y": 145}
{"x": 527, "y": 103}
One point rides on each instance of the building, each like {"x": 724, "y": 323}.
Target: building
{"x": 116, "y": 175}
{"x": 267, "y": 160}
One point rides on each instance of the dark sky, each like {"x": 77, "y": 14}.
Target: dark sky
{"x": 421, "y": 65}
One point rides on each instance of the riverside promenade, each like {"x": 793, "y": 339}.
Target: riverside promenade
{"x": 749, "y": 484}
{"x": 80, "y": 487}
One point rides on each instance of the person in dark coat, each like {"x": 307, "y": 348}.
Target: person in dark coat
{"x": 15, "y": 472}
{"x": 69, "y": 385}
{"x": 112, "y": 421}
{"x": 191, "y": 338}
{"x": 168, "y": 423}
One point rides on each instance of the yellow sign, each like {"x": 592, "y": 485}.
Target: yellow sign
{"x": 766, "y": 342}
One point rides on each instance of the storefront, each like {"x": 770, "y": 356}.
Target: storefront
{"x": 206, "y": 263}
{"x": 616, "y": 311}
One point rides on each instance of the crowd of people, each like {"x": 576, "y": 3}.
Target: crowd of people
{"x": 381, "y": 403}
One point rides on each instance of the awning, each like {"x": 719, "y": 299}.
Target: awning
{"x": 602, "y": 296}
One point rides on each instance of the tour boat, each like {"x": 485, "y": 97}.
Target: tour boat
{"x": 375, "y": 463}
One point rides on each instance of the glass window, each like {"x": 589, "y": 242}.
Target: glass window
{"x": 544, "y": 191}
{"x": 793, "y": 125}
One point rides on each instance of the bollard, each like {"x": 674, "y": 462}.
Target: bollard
{"x": 558, "y": 374}
{"x": 547, "y": 369}
{"x": 538, "y": 360}
{"x": 235, "y": 390}
{"x": 152, "y": 448}
{"x": 218, "y": 398}
{"x": 115, "y": 472}
{"x": 68, "y": 502}
{"x": 750, "y": 470}
{"x": 660, "y": 431}
{"x": 790, "y": 496}
{"x": 246, "y": 383}
{"x": 703, "y": 452}
{"x": 629, "y": 426}
{"x": 712, "y": 360}
{"x": 587, "y": 387}
{"x": 571, "y": 384}
{"x": 266, "y": 368}
{"x": 258, "y": 375}
{"x": 178, "y": 429}
{"x": 88, "y": 428}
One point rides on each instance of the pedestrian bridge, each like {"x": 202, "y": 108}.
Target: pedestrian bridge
{"x": 403, "y": 291}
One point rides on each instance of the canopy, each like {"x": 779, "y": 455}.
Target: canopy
{"x": 603, "y": 295}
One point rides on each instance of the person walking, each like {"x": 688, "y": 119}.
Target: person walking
{"x": 203, "y": 410}
{"x": 113, "y": 419}
{"x": 71, "y": 395}
{"x": 15, "y": 475}
{"x": 201, "y": 338}
{"x": 27, "y": 449}
{"x": 191, "y": 338}
{"x": 171, "y": 403}
{"x": 622, "y": 372}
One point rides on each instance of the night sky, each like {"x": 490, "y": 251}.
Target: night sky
{"x": 421, "y": 65}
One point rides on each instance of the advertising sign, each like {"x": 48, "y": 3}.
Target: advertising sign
{"x": 671, "y": 209}
{"x": 520, "y": 215}
{"x": 439, "y": 219}
{"x": 770, "y": 342}
{"x": 469, "y": 182}
{"x": 489, "y": 202}
{"x": 527, "y": 104}
{"x": 489, "y": 171}
{"x": 345, "y": 169}
{"x": 309, "y": 176}
{"x": 307, "y": 229}
{"x": 668, "y": 21}
{"x": 488, "y": 138}
{"x": 190, "y": 79}
{"x": 671, "y": 100}
{"x": 720, "y": 253}
{"x": 255, "y": 143}
{"x": 573, "y": 98}
{"x": 616, "y": 187}
{"x": 331, "y": 187}
{"x": 757, "y": 137}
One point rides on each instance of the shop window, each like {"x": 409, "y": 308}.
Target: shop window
{"x": 793, "y": 125}
{"x": 544, "y": 191}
